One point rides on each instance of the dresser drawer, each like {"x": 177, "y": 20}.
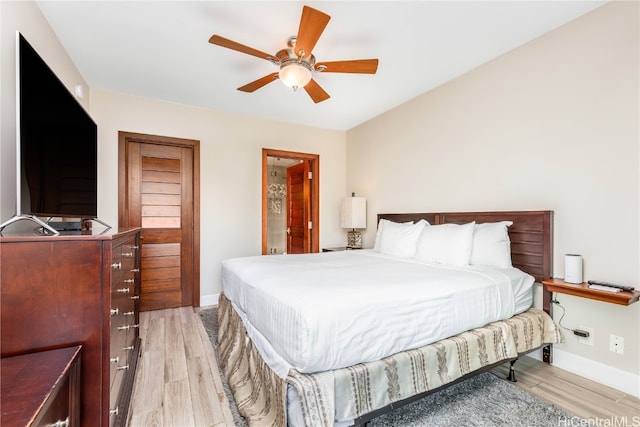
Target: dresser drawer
{"x": 116, "y": 386}
{"x": 128, "y": 256}
{"x": 116, "y": 265}
{"x": 114, "y": 393}
{"x": 121, "y": 299}
{"x": 118, "y": 342}
{"x": 123, "y": 260}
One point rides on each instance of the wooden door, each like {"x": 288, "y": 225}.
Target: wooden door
{"x": 298, "y": 209}
{"x": 313, "y": 202}
{"x": 160, "y": 200}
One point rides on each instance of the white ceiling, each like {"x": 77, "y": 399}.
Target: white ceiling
{"x": 160, "y": 49}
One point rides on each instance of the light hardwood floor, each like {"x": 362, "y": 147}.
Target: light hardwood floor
{"x": 177, "y": 382}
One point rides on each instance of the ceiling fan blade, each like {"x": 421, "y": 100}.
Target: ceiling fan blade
{"x": 316, "y": 92}
{"x": 230, "y": 44}
{"x": 362, "y": 66}
{"x": 263, "y": 81}
{"x": 312, "y": 24}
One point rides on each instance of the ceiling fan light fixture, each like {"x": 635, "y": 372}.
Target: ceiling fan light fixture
{"x": 295, "y": 75}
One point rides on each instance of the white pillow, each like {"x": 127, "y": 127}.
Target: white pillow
{"x": 399, "y": 240}
{"x": 446, "y": 244}
{"x": 491, "y": 245}
{"x": 376, "y": 244}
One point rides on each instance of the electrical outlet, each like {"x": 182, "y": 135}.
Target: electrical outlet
{"x": 616, "y": 344}
{"x": 586, "y": 340}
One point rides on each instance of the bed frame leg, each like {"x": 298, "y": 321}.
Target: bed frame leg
{"x": 512, "y": 372}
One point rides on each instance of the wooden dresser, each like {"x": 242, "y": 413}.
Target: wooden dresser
{"x": 58, "y": 291}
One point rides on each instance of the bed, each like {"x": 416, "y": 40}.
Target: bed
{"x": 338, "y": 338}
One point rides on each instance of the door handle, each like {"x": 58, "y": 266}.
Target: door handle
{"x": 288, "y": 230}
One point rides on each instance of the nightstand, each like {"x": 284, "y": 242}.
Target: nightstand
{"x": 583, "y": 290}
{"x": 339, "y": 248}
{"x": 41, "y": 389}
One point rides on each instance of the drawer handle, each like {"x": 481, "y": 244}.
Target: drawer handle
{"x": 127, "y": 254}
{"x": 128, "y": 348}
{"x": 59, "y": 423}
{"x": 116, "y": 265}
{"x": 129, "y": 313}
{"x": 114, "y": 311}
{"x": 135, "y": 297}
{"x": 134, "y": 247}
{"x": 113, "y": 412}
{"x": 124, "y": 328}
{"x": 122, "y": 368}
{"x": 134, "y": 326}
{"x": 135, "y": 270}
{"x": 115, "y": 359}
{"x": 129, "y": 280}
{"x": 123, "y": 290}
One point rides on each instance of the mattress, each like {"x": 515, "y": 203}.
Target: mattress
{"x": 319, "y": 312}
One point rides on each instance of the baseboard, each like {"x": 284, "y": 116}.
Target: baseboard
{"x": 209, "y": 300}
{"x": 624, "y": 381}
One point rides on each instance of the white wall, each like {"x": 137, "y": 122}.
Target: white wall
{"x": 230, "y": 171}
{"x": 550, "y": 125}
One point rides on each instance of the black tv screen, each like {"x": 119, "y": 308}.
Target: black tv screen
{"x": 57, "y": 144}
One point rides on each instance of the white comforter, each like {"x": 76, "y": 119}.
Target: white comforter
{"x": 316, "y": 312}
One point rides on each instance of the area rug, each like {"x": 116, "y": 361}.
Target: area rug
{"x": 484, "y": 400}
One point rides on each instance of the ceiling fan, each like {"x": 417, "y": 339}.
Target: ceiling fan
{"x": 296, "y": 62}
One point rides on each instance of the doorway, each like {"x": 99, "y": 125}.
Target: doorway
{"x": 290, "y": 203}
{"x": 159, "y": 192}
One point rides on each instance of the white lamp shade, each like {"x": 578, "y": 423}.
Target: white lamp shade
{"x": 294, "y": 75}
{"x": 353, "y": 213}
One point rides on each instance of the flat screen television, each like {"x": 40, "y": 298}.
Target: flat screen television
{"x": 56, "y": 143}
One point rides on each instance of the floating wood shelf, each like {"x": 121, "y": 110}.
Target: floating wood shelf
{"x": 583, "y": 290}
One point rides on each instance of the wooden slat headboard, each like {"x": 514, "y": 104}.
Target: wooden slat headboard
{"x": 531, "y": 234}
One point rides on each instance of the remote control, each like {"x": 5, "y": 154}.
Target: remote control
{"x": 611, "y": 285}
{"x": 605, "y": 288}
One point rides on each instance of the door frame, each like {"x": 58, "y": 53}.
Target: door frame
{"x": 124, "y": 138}
{"x": 314, "y": 196}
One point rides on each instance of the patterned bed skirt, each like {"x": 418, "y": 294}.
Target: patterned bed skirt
{"x": 345, "y": 394}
